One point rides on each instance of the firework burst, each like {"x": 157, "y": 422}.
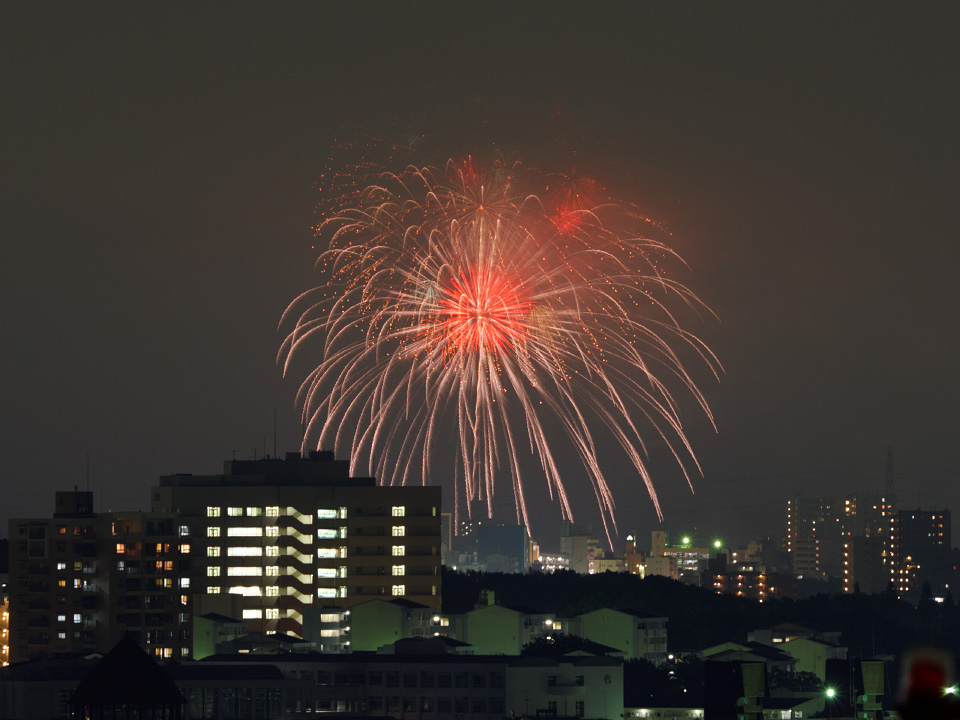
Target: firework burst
{"x": 496, "y": 311}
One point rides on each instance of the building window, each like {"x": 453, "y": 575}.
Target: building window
{"x": 273, "y": 614}
{"x": 234, "y": 511}
{"x": 244, "y": 532}
{"x": 273, "y": 551}
{"x": 398, "y": 590}
{"x": 213, "y": 511}
{"x": 399, "y": 570}
{"x": 184, "y": 549}
{"x": 184, "y": 530}
{"x": 61, "y": 566}
{"x": 213, "y": 551}
{"x": 244, "y": 551}
{"x": 243, "y": 571}
{"x": 184, "y": 583}
{"x": 272, "y": 570}
{"x": 398, "y": 511}
{"x": 254, "y": 512}
{"x": 252, "y": 614}
{"x": 399, "y": 531}
{"x": 121, "y": 548}
{"x": 213, "y": 532}
{"x": 327, "y": 514}
{"x": 327, "y": 553}
{"x": 213, "y": 571}
{"x": 272, "y": 531}
{"x": 398, "y": 550}
{"x": 272, "y": 511}
{"x": 272, "y": 591}
{"x": 213, "y": 590}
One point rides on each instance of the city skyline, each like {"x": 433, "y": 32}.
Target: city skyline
{"x": 159, "y": 199}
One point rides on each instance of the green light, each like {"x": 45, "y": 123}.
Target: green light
{"x": 831, "y": 692}
{"x": 952, "y": 690}
{"x": 717, "y": 544}
{"x": 686, "y": 539}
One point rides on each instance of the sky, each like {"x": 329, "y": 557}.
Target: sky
{"x": 159, "y": 169}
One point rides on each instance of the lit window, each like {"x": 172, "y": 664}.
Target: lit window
{"x": 326, "y": 573}
{"x": 61, "y": 566}
{"x": 213, "y": 551}
{"x": 343, "y": 551}
{"x": 399, "y": 531}
{"x": 329, "y": 617}
{"x": 252, "y": 614}
{"x": 272, "y": 511}
{"x": 326, "y": 553}
{"x": 213, "y": 571}
{"x": 343, "y": 512}
{"x": 244, "y": 532}
{"x": 399, "y": 550}
{"x": 399, "y": 589}
{"x": 62, "y": 636}
{"x": 234, "y": 511}
{"x": 245, "y": 590}
{"x": 213, "y": 590}
{"x": 326, "y": 514}
{"x": 272, "y": 570}
{"x": 398, "y": 510}
{"x": 184, "y": 583}
{"x": 272, "y": 613}
{"x": 77, "y": 618}
{"x": 121, "y": 548}
{"x": 254, "y": 511}
{"x": 243, "y": 571}
{"x": 399, "y": 570}
{"x": 213, "y": 532}
{"x": 326, "y": 533}
{"x": 244, "y": 552}
{"x": 184, "y": 549}
{"x": 213, "y": 511}
{"x": 61, "y": 618}
{"x": 184, "y": 530}
{"x": 273, "y": 551}
{"x": 272, "y": 590}
{"x": 343, "y": 532}
{"x": 329, "y": 633}
{"x": 61, "y": 583}
{"x": 326, "y": 592}
{"x": 272, "y": 531}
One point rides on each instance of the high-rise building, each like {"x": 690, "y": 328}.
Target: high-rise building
{"x": 921, "y": 541}
{"x": 81, "y": 581}
{"x": 290, "y": 534}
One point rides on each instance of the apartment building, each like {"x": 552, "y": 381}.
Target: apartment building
{"x": 284, "y": 535}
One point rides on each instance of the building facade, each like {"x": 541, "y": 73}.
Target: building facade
{"x": 294, "y": 533}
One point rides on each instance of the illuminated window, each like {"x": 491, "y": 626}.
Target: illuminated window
{"x": 61, "y": 583}
{"x": 62, "y": 636}
{"x": 121, "y": 548}
{"x": 399, "y": 570}
{"x": 272, "y": 511}
{"x": 213, "y": 590}
{"x": 234, "y": 511}
{"x": 77, "y": 618}
{"x": 326, "y": 592}
{"x": 244, "y": 552}
{"x": 273, "y": 551}
{"x": 327, "y": 514}
{"x": 213, "y": 571}
{"x": 213, "y": 551}
{"x": 343, "y": 512}
{"x": 343, "y": 532}
{"x": 326, "y": 553}
{"x": 398, "y": 510}
{"x": 213, "y": 532}
{"x": 243, "y": 571}
{"x": 244, "y": 532}
{"x": 61, "y": 566}
{"x": 326, "y": 573}
{"x": 213, "y": 511}
{"x": 61, "y": 618}
{"x": 399, "y": 531}
{"x": 184, "y": 583}
{"x": 272, "y": 531}
{"x": 272, "y": 590}
{"x": 184, "y": 549}
{"x": 398, "y": 589}
{"x": 245, "y": 590}
{"x": 252, "y": 614}
{"x": 343, "y": 551}
{"x": 330, "y": 633}
{"x": 272, "y": 570}
{"x": 184, "y": 530}
{"x": 254, "y": 511}
{"x": 326, "y": 533}
{"x": 272, "y": 613}
{"x": 329, "y": 617}
{"x": 399, "y": 550}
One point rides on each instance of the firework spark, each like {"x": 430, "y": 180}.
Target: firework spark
{"x": 493, "y": 310}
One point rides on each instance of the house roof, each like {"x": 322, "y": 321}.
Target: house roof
{"x": 127, "y": 674}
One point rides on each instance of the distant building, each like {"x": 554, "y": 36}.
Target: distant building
{"x": 289, "y": 534}
{"x": 692, "y": 559}
{"x": 82, "y": 581}
{"x": 922, "y": 543}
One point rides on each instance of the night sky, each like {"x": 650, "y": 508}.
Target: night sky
{"x": 157, "y": 202}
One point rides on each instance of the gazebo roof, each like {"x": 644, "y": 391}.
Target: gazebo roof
{"x": 127, "y": 675}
